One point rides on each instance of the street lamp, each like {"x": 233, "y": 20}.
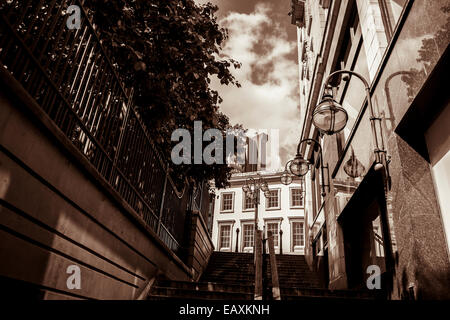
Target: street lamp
{"x": 251, "y": 190}
{"x": 300, "y": 166}
{"x": 286, "y": 177}
{"x": 329, "y": 117}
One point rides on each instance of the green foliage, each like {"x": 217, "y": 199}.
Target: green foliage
{"x": 169, "y": 51}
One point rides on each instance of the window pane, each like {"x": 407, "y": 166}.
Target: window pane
{"x": 273, "y": 227}
{"x": 395, "y": 8}
{"x": 355, "y": 95}
{"x": 249, "y": 204}
{"x": 378, "y": 238}
{"x": 273, "y": 199}
{"x": 225, "y": 237}
{"x": 227, "y": 201}
{"x": 298, "y": 234}
{"x": 296, "y": 198}
{"x": 248, "y": 230}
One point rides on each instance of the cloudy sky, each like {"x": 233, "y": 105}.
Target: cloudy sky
{"x": 263, "y": 40}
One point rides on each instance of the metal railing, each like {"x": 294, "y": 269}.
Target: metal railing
{"x": 262, "y": 281}
{"x": 201, "y": 199}
{"x": 71, "y": 77}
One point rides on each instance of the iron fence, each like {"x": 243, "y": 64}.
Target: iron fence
{"x": 70, "y": 76}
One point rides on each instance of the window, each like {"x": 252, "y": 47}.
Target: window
{"x": 352, "y": 56}
{"x": 210, "y": 215}
{"x": 273, "y": 201}
{"x": 225, "y": 237}
{"x": 248, "y": 203}
{"x": 298, "y": 234}
{"x": 296, "y": 198}
{"x": 378, "y": 239}
{"x": 317, "y": 195}
{"x": 273, "y": 227}
{"x": 227, "y": 202}
{"x": 390, "y": 13}
{"x": 248, "y": 236}
{"x": 354, "y": 93}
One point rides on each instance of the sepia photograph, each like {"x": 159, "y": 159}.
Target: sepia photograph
{"x": 225, "y": 159}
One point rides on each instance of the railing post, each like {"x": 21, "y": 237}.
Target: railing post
{"x": 162, "y": 202}
{"x": 258, "y": 265}
{"x": 122, "y": 134}
{"x": 281, "y": 241}
{"x": 264, "y": 268}
{"x": 237, "y": 240}
{"x": 201, "y": 198}
{"x": 264, "y": 234}
{"x": 256, "y": 202}
{"x": 273, "y": 266}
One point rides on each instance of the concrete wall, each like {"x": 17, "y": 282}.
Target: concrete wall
{"x": 54, "y": 214}
{"x": 200, "y": 245}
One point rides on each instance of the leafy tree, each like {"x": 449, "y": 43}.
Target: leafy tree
{"x": 168, "y": 51}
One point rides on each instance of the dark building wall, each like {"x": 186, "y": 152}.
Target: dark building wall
{"x": 421, "y": 259}
{"x": 200, "y": 245}
{"x": 54, "y": 215}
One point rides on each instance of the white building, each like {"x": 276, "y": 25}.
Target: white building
{"x": 233, "y": 222}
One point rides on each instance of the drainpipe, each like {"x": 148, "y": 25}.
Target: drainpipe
{"x": 237, "y": 240}
{"x": 281, "y": 241}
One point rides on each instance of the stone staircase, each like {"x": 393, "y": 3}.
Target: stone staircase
{"x": 230, "y": 276}
{"x": 293, "y": 271}
{"x": 298, "y": 282}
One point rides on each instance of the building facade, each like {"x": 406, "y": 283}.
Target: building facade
{"x": 397, "y": 218}
{"x": 282, "y": 214}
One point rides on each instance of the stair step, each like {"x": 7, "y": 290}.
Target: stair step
{"x": 227, "y": 280}
{"x": 230, "y": 272}
{"x": 180, "y": 293}
{"x": 230, "y": 269}
{"x": 208, "y": 286}
{"x": 318, "y": 292}
{"x": 322, "y": 298}
{"x": 231, "y": 276}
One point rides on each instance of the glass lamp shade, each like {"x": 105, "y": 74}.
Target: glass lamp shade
{"x": 299, "y": 166}
{"x": 264, "y": 186}
{"x": 286, "y": 178}
{"x": 329, "y": 116}
{"x": 267, "y": 194}
{"x": 245, "y": 188}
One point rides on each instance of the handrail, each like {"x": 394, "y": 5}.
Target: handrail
{"x": 108, "y": 60}
{"x": 274, "y": 269}
{"x": 258, "y": 266}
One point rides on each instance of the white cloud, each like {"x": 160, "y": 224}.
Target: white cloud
{"x": 268, "y": 97}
